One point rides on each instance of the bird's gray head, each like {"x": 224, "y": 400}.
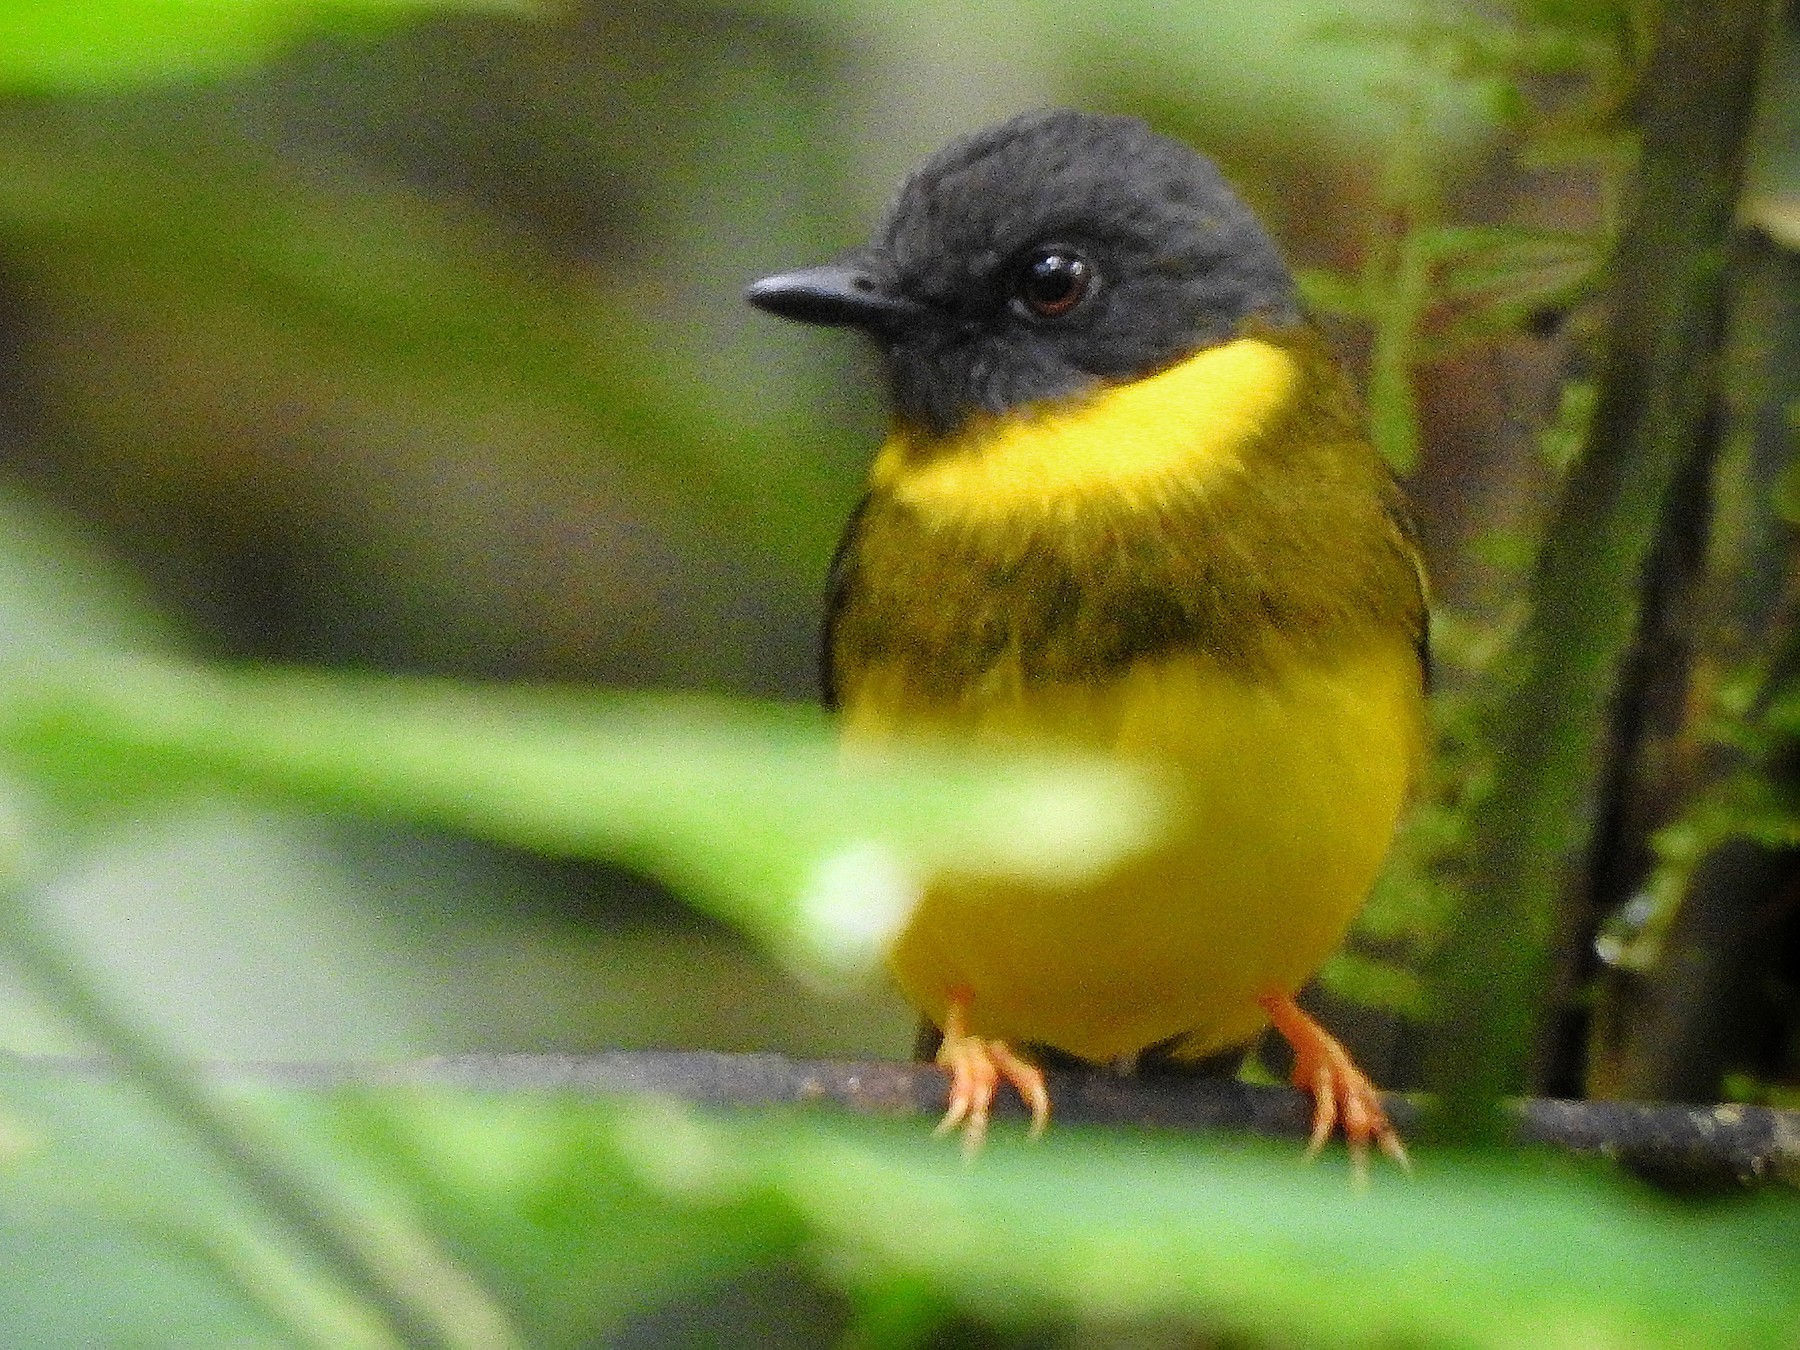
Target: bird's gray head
{"x": 1040, "y": 258}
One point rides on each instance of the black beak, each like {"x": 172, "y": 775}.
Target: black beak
{"x": 840, "y": 293}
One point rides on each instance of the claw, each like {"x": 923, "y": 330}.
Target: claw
{"x": 976, "y": 1066}
{"x": 1028, "y": 1080}
{"x": 1325, "y": 1108}
{"x": 1343, "y": 1097}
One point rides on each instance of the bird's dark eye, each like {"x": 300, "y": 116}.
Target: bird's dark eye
{"x": 1053, "y": 281}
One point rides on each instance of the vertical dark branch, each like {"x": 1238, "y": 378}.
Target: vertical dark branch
{"x": 1656, "y": 385}
{"x": 1673, "y": 1031}
{"x": 1647, "y": 762}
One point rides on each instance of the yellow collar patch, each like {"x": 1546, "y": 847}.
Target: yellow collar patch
{"x": 1183, "y": 425}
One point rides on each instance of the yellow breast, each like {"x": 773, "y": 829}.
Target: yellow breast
{"x": 1293, "y": 788}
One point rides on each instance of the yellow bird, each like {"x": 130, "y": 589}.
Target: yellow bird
{"x": 1128, "y": 505}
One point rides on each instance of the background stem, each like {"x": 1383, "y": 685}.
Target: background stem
{"x": 1657, "y": 384}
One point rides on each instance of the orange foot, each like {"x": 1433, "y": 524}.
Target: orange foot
{"x": 976, "y": 1066}
{"x": 1341, "y": 1092}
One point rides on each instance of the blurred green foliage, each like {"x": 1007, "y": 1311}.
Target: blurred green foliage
{"x": 126, "y": 42}
{"x": 374, "y": 338}
{"x": 582, "y": 1219}
{"x": 751, "y": 812}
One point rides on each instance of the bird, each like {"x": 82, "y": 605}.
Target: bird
{"x": 1127, "y": 505}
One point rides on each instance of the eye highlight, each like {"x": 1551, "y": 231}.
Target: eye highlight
{"x": 1053, "y": 281}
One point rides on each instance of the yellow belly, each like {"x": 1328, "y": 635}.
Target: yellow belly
{"x": 1293, "y": 788}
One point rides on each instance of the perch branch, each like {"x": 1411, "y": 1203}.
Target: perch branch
{"x": 1692, "y": 1144}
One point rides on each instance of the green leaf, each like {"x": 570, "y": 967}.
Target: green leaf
{"x": 561, "y": 1205}
{"x": 117, "y": 1228}
{"x": 1508, "y": 550}
{"x": 576, "y": 1215}
{"x": 1376, "y": 984}
{"x": 1473, "y": 49}
{"x": 1103, "y": 1230}
{"x": 1562, "y": 441}
{"x": 1478, "y": 262}
{"x": 750, "y": 810}
{"x": 1444, "y": 243}
{"x": 86, "y": 44}
{"x": 1334, "y": 292}
{"x": 1784, "y": 708}
{"x": 1786, "y": 496}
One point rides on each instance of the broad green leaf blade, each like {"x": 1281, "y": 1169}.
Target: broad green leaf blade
{"x": 1106, "y": 1229}
{"x": 575, "y": 1215}
{"x": 118, "y": 1230}
{"x": 59, "y": 45}
{"x": 751, "y": 810}
{"x": 115, "y": 1228}
{"x": 535, "y": 1194}
{"x": 1153, "y": 1230}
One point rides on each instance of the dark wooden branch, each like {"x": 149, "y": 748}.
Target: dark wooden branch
{"x": 1692, "y": 1144}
